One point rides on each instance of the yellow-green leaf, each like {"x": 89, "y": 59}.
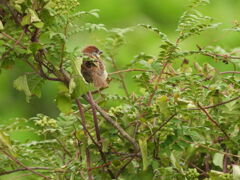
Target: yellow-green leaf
{"x": 81, "y": 86}
{"x": 64, "y": 103}
{"x": 1, "y": 25}
{"x": 21, "y": 84}
{"x": 144, "y": 153}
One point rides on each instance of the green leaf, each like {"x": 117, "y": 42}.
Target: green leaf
{"x": 72, "y": 86}
{"x": 26, "y": 20}
{"x": 1, "y": 25}
{"x": 215, "y": 175}
{"x": 64, "y": 103}
{"x": 218, "y": 160}
{"x": 34, "y": 47}
{"x": 5, "y": 140}
{"x": 30, "y": 18}
{"x": 78, "y": 85}
{"x": 144, "y": 153}
{"x": 38, "y": 24}
{"x": 34, "y": 16}
{"x": 236, "y": 172}
{"x": 35, "y": 83}
{"x": 21, "y": 84}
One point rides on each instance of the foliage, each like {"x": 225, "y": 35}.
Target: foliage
{"x": 182, "y": 123}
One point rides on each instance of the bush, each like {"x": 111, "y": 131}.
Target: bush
{"x": 183, "y": 123}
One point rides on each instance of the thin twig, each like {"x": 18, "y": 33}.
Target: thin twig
{"x": 120, "y": 76}
{"x": 225, "y": 163}
{"x": 63, "y": 46}
{"x": 210, "y": 148}
{"x": 213, "y": 121}
{"x": 63, "y": 147}
{"x": 11, "y": 38}
{"x": 206, "y": 162}
{"x": 215, "y": 105}
{"x": 230, "y": 72}
{"x": 24, "y": 169}
{"x": 14, "y": 45}
{"x": 162, "y": 125}
{"x": 95, "y": 120}
{"x": 127, "y": 70}
{"x": 124, "y": 166}
{"x": 21, "y": 164}
{"x": 158, "y": 80}
{"x": 88, "y": 160}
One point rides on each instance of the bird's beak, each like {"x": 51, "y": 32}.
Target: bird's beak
{"x": 98, "y": 55}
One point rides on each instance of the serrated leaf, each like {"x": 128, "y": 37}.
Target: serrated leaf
{"x": 21, "y": 84}
{"x": 64, "y": 103}
{"x": 218, "y": 160}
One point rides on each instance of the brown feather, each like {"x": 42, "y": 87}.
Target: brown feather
{"x": 94, "y": 71}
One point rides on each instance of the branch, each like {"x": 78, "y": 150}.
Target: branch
{"x": 128, "y": 70}
{"x": 98, "y": 134}
{"x": 120, "y": 76}
{"x": 158, "y": 80}
{"x": 21, "y": 164}
{"x": 213, "y": 121}
{"x": 124, "y": 166}
{"x": 230, "y": 72}
{"x": 11, "y": 38}
{"x": 95, "y": 118}
{"x": 88, "y": 160}
{"x": 63, "y": 46}
{"x": 24, "y": 169}
{"x": 162, "y": 125}
{"x": 116, "y": 125}
{"x": 219, "y": 104}
{"x": 213, "y": 55}
{"x": 210, "y": 148}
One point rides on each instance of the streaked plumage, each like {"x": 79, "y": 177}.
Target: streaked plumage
{"x": 94, "y": 70}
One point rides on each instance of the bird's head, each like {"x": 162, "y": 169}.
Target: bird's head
{"x": 92, "y": 52}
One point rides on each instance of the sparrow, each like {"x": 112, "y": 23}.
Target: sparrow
{"x": 93, "y": 69}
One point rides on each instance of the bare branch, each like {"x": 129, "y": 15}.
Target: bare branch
{"x": 213, "y": 121}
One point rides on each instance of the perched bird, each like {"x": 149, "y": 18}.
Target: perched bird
{"x": 93, "y": 70}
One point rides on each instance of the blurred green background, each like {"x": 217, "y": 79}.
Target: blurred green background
{"x": 121, "y": 14}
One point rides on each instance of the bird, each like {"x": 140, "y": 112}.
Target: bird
{"x": 93, "y": 68}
